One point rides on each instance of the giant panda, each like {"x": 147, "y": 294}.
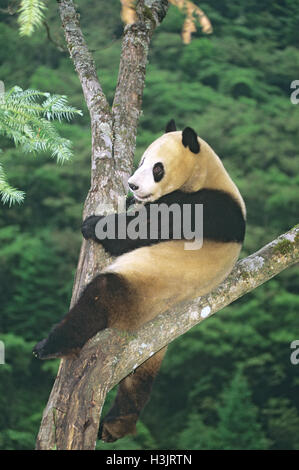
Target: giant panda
{"x": 149, "y": 276}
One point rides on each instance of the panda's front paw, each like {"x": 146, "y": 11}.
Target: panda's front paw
{"x": 89, "y": 226}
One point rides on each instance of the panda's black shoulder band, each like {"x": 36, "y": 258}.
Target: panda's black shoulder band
{"x": 222, "y": 221}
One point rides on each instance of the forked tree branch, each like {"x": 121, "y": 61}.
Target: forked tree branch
{"x": 71, "y": 420}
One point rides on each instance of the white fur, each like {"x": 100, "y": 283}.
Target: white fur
{"x": 165, "y": 273}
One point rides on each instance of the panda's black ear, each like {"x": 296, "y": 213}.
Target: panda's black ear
{"x": 190, "y": 140}
{"x": 170, "y": 126}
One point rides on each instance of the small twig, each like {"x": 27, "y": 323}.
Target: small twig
{"x": 11, "y": 9}
{"x": 59, "y": 46}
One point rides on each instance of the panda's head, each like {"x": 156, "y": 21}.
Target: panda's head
{"x": 166, "y": 165}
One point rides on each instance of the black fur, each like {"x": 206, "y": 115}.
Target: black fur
{"x": 89, "y": 225}
{"x": 130, "y": 201}
{"x": 170, "y": 126}
{"x": 223, "y": 220}
{"x": 88, "y": 316}
{"x": 133, "y": 393}
{"x": 189, "y": 139}
{"x": 158, "y": 171}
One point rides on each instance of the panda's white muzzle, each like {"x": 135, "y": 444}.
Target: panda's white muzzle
{"x": 142, "y": 184}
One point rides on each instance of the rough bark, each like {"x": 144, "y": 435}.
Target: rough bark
{"x": 71, "y": 418}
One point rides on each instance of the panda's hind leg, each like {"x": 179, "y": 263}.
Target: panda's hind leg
{"x": 132, "y": 395}
{"x": 88, "y": 316}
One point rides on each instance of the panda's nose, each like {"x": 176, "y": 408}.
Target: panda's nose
{"x": 133, "y": 186}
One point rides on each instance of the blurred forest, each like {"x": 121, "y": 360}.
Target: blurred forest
{"x": 229, "y": 383}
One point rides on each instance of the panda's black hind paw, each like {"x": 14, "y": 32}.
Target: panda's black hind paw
{"x": 47, "y": 349}
{"x": 40, "y": 351}
{"x": 112, "y": 429}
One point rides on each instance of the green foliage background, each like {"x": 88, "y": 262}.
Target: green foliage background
{"x": 229, "y": 383}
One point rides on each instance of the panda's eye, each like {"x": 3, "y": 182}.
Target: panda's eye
{"x": 158, "y": 172}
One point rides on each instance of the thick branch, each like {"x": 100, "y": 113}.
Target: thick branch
{"x": 102, "y": 163}
{"x": 247, "y": 275}
{"x": 82, "y": 58}
{"x": 71, "y": 420}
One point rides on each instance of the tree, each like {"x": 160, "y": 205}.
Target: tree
{"x": 238, "y": 427}
{"x": 113, "y": 136}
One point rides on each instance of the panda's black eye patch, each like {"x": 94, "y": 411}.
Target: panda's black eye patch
{"x": 158, "y": 171}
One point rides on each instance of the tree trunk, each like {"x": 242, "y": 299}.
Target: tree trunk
{"x": 113, "y": 145}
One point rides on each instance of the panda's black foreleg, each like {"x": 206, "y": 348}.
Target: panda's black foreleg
{"x": 88, "y": 316}
{"x": 132, "y": 395}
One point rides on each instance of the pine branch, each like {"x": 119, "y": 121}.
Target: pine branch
{"x": 9, "y": 195}
{"x": 25, "y": 117}
{"x": 31, "y": 16}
